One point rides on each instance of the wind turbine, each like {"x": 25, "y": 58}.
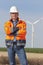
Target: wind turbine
{"x": 33, "y": 31}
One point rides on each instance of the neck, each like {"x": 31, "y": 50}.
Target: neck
{"x": 13, "y": 20}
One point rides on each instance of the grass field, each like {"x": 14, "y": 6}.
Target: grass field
{"x": 34, "y": 50}
{"x": 31, "y": 50}
{"x": 34, "y": 57}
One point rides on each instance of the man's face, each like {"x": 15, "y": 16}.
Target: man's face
{"x": 14, "y": 16}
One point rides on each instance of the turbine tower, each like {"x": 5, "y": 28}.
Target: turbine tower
{"x": 33, "y": 31}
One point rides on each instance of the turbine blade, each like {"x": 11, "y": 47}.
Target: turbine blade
{"x": 36, "y": 21}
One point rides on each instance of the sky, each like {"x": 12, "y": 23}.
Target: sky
{"x": 30, "y": 10}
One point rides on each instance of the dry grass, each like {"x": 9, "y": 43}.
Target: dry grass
{"x": 33, "y": 58}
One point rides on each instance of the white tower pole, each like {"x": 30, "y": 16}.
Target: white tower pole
{"x": 32, "y": 42}
{"x": 32, "y": 35}
{"x": 33, "y": 30}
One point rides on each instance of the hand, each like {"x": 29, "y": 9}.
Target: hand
{"x": 19, "y": 26}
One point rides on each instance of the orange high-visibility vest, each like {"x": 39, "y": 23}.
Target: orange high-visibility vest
{"x": 21, "y": 32}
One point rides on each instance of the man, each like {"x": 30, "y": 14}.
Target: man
{"x": 15, "y": 30}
